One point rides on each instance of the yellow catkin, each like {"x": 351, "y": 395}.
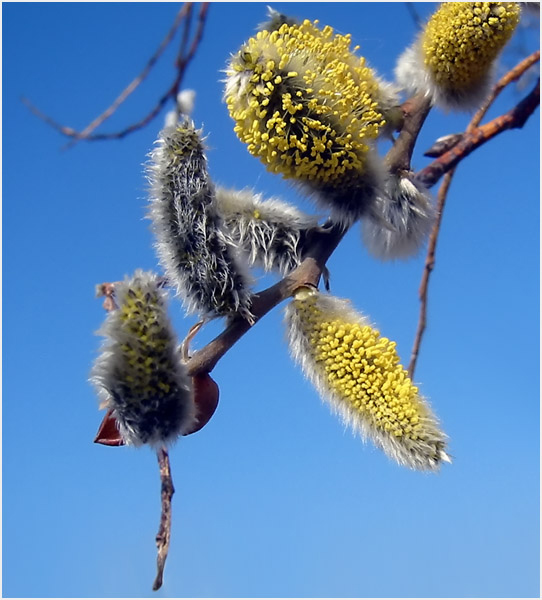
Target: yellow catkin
{"x": 303, "y": 103}
{"x": 462, "y": 39}
{"x": 359, "y": 372}
{"x": 138, "y": 374}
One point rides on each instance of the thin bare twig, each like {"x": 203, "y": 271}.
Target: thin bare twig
{"x": 474, "y": 137}
{"x": 183, "y": 13}
{"x": 181, "y": 64}
{"x": 414, "y": 14}
{"x": 428, "y": 268}
{"x": 512, "y": 75}
{"x": 164, "y": 532}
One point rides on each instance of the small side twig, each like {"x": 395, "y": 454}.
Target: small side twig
{"x": 428, "y": 268}
{"x": 181, "y": 64}
{"x": 182, "y": 14}
{"x": 477, "y": 136}
{"x": 512, "y": 75}
{"x": 473, "y": 138}
{"x": 164, "y": 532}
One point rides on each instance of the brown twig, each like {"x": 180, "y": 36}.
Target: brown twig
{"x": 477, "y": 136}
{"x": 415, "y": 111}
{"x": 512, "y": 75}
{"x": 321, "y": 242}
{"x": 183, "y": 14}
{"x": 181, "y": 64}
{"x": 474, "y": 137}
{"x": 164, "y": 532}
{"x": 428, "y": 268}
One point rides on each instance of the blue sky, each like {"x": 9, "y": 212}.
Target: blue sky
{"x": 274, "y": 497}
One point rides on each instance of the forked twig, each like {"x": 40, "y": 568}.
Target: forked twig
{"x": 475, "y": 136}
{"x": 181, "y": 63}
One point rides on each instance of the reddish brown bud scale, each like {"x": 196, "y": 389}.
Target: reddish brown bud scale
{"x": 206, "y": 395}
{"x": 108, "y": 433}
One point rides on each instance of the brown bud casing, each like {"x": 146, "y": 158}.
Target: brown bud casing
{"x": 206, "y": 395}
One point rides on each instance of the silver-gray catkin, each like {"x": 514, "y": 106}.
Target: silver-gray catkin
{"x": 197, "y": 253}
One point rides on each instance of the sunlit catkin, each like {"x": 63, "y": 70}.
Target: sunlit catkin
{"x": 139, "y": 374}
{"x": 269, "y": 231}
{"x": 358, "y": 373}
{"x": 197, "y": 253}
{"x": 401, "y": 219}
{"x": 311, "y": 110}
{"x": 452, "y": 61}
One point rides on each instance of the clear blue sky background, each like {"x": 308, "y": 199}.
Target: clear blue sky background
{"x": 274, "y": 497}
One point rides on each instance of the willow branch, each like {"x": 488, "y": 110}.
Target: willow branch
{"x": 181, "y": 63}
{"x": 183, "y": 13}
{"x": 473, "y": 134}
{"x": 512, "y": 75}
{"x": 164, "y": 532}
{"x": 415, "y": 111}
{"x": 321, "y": 244}
{"x": 476, "y": 137}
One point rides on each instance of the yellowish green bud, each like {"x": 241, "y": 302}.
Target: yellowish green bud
{"x": 357, "y": 371}
{"x": 139, "y": 374}
{"x": 309, "y": 109}
{"x": 453, "y": 59}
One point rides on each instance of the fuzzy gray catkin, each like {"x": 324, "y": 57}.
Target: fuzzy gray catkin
{"x": 196, "y": 251}
{"x": 139, "y": 374}
{"x": 401, "y": 219}
{"x": 269, "y": 231}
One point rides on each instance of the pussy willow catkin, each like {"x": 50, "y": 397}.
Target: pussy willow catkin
{"x": 308, "y": 108}
{"x": 269, "y": 231}
{"x": 196, "y": 251}
{"x": 452, "y": 60}
{"x": 400, "y": 220}
{"x": 358, "y": 373}
{"x": 139, "y": 374}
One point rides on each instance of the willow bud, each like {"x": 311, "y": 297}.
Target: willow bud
{"x": 309, "y": 109}
{"x": 196, "y": 251}
{"x": 401, "y": 219}
{"x": 269, "y": 231}
{"x": 139, "y": 375}
{"x": 358, "y": 373}
{"x": 452, "y": 61}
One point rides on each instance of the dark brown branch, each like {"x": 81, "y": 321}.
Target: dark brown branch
{"x": 473, "y": 139}
{"x": 415, "y": 111}
{"x": 182, "y": 63}
{"x": 428, "y": 268}
{"x": 322, "y": 243}
{"x": 164, "y": 532}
